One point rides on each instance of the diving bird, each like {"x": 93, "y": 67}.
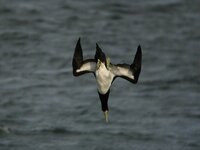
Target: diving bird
{"x": 105, "y": 72}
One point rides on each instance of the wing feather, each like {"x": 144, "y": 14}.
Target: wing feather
{"x": 129, "y": 72}
{"x": 87, "y": 66}
{"x": 81, "y": 66}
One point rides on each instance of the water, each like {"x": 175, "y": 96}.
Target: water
{"x": 43, "y": 107}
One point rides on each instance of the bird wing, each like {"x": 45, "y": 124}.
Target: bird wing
{"x": 81, "y": 66}
{"x": 129, "y": 72}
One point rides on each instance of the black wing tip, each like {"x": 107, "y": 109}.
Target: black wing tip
{"x": 138, "y": 55}
{"x": 78, "y": 44}
{"x": 78, "y": 57}
{"x": 79, "y": 40}
{"x": 139, "y": 48}
{"x": 137, "y": 64}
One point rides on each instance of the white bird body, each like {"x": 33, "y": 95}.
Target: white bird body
{"x": 104, "y": 78}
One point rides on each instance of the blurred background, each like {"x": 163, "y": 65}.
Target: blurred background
{"x": 43, "y": 107}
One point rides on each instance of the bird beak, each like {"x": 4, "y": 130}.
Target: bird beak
{"x": 106, "y": 115}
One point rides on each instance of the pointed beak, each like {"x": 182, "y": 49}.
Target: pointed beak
{"x": 106, "y": 115}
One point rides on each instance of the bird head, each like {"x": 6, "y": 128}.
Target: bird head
{"x": 101, "y": 58}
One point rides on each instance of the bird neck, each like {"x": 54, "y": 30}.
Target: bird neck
{"x": 108, "y": 63}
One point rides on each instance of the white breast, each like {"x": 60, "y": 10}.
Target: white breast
{"x": 104, "y": 79}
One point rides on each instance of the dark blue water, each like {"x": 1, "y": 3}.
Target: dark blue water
{"x": 43, "y": 107}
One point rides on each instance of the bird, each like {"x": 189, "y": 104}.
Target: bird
{"x": 105, "y": 72}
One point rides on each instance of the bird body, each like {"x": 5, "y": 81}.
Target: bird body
{"x": 105, "y": 72}
{"x": 104, "y": 78}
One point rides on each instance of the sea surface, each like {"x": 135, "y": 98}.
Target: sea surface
{"x": 44, "y": 107}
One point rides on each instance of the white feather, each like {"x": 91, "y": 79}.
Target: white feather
{"x": 124, "y": 72}
{"x": 89, "y": 66}
{"x": 104, "y": 78}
